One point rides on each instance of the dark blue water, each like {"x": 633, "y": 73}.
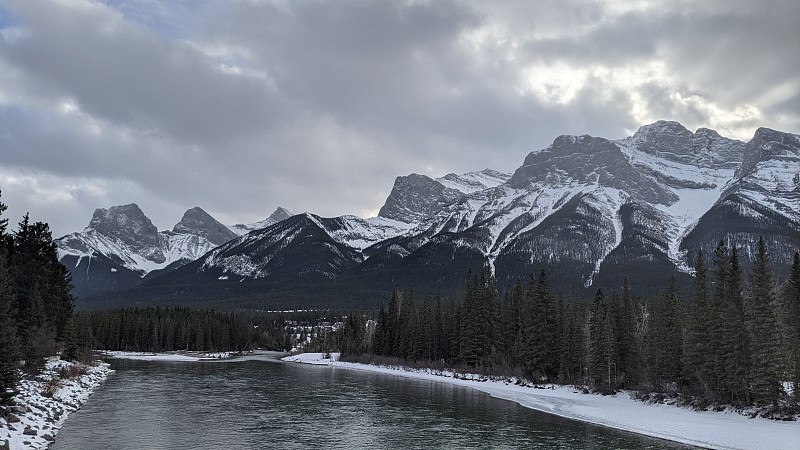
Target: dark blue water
{"x": 260, "y": 402}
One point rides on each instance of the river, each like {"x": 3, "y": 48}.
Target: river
{"x": 262, "y": 402}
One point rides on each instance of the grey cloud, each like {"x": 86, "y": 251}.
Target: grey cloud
{"x": 348, "y": 94}
{"x": 120, "y": 72}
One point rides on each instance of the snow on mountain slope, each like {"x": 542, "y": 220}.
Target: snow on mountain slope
{"x": 770, "y": 173}
{"x": 679, "y": 173}
{"x": 360, "y": 233}
{"x": 473, "y": 181}
{"x": 763, "y": 200}
{"x": 585, "y": 209}
{"x": 126, "y": 236}
{"x": 694, "y": 166}
{"x": 279, "y": 214}
{"x": 298, "y": 247}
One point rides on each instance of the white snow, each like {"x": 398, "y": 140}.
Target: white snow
{"x": 724, "y": 430}
{"x": 168, "y": 356}
{"x": 45, "y": 414}
{"x": 473, "y": 181}
{"x": 360, "y": 233}
{"x": 171, "y": 246}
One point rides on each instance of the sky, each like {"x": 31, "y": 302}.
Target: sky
{"x": 240, "y": 106}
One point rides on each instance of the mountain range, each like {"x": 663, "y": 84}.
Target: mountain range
{"x": 587, "y": 210}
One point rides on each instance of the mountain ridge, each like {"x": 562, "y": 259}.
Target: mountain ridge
{"x": 585, "y": 209}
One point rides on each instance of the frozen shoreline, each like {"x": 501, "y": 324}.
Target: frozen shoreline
{"x": 167, "y": 356}
{"x": 44, "y": 415}
{"x": 728, "y": 430}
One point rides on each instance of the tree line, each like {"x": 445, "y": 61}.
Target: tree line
{"x": 733, "y": 342}
{"x": 35, "y": 300}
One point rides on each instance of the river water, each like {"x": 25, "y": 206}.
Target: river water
{"x": 261, "y": 402}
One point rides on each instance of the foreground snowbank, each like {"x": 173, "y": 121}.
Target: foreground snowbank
{"x": 701, "y": 428}
{"x": 43, "y": 403}
{"x": 169, "y": 356}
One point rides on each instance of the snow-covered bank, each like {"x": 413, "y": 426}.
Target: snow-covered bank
{"x": 168, "y": 356}
{"x": 43, "y": 403}
{"x": 701, "y": 428}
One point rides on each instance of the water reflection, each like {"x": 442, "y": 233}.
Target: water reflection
{"x": 260, "y": 402}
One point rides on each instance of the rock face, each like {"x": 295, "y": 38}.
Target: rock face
{"x": 415, "y": 197}
{"x": 673, "y": 142}
{"x": 199, "y": 223}
{"x": 588, "y": 160}
{"x": 278, "y": 215}
{"x": 128, "y": 225}
{"x": 763, "y": 199}
{"x": 587, "y": 210}
{"x": 121, "y": 245}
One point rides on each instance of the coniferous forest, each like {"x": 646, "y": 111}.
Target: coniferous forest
{"x": 35, "y": 303}
{"x": 734, "y": 342}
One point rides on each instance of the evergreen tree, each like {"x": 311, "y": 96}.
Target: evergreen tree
{"x": 573, "y": 343}
{"x": 735, "y": 345}
{"x": 478, "y": 314}
{"x": 765, "y": 371}
{"x": 547, "y": 326}
{"x": 791, "y": 299}
{"x": 8, "y": 331}
{"x": 626, "y": 340}
{"x": 601, "y": 344}
{"x": 664, "y": 339}
{"x": 698, "y": 371}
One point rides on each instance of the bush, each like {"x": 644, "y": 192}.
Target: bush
{"x": 72, "y": 371}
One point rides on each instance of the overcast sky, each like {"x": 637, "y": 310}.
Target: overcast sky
{"x": 239, "y": 106}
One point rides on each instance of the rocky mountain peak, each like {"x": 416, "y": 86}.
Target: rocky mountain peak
{"x": 279, "y": 214}
{"x": 768, "y": 144}
{"x": 672, "y": 141}
{"x": 415, "y": 197}
{"x": 589, "y": 160}
{"x": 129, "y": 225}
{"x": 124, "y": 222}
{"x": 198, "y": 222}
{"x": 470, "y": 182}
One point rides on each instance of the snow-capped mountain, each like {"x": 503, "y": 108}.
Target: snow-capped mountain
{"x": 121, "y": 245}
{"x": 587, "y": 210}
{"x": 278, "y": 215}
{"x": 762, "y": 199}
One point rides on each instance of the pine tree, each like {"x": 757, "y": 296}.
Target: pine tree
{"x": 696, "y": 366}
{"x": 573, "y": 343}
{"x": 9, "y": 345}
{"x": 764, "y": 373}
{"x": 601, "y": 344}
{"x": 791, "y": 299}
{"x": 733, "y": 348}
{"x": 626, "y": 342}
{"x": 664, "y": 340}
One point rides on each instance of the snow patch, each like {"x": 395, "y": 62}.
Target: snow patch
{"x": 44, "y": 402}
{"x": 708, "y": 429}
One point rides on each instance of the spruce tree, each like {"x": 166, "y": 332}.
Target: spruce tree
{"x": 664, "y": 341}
{"x": 601, "y": 343}
{"x": 764, "y": 340}
{"x": 697, "y": 369}
{"x": 734, "y": 347}
{"x": 791, "y": 299}
{"x": 626, "y": 343}
{"x": 573, "y": 343}
{"x": 9, "y": 345}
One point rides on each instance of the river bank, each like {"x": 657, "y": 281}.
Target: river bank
{"x": 45, "y": 401}
{"x": 724, "y": 430}
{"x": 188, "y": 356}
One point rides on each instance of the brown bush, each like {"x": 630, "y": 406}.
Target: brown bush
{"x": 72, "y": 371}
